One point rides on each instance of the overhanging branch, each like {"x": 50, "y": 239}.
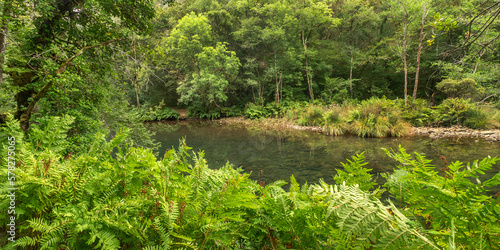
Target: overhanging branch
{"x": 27, "y": 113}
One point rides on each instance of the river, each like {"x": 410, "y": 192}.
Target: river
{"x": 309, "y": 156}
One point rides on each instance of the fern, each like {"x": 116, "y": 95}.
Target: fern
{"x": 365, "y": 220}
{"x": 355, "y": 173}
{"x": 52, "y": 136}
{"x": 455, "y": 200}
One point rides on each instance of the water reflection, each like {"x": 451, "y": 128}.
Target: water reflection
{"x": 309, "y": 156}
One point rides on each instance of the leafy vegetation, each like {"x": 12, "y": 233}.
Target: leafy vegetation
{"x": 157, "y": 113}
{"x": 73, "y": 74}
{"x": 130, "y": 199}
{"x": 380, "y": 117}
{"x": 293, "y": 59}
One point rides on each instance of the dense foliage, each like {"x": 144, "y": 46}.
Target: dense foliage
{"x": 73, "y": 74}
{"x": 119, "y": 197}
{"x": 109, "y": 62}
{"x": 380, "y": 117}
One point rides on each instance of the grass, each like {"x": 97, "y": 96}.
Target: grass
{"x": 335, "y": 121}
{"x": 312, "y": 116}
{"x": 381, "y": 117}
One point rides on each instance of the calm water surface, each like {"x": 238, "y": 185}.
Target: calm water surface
{"x": 309, "y": 156}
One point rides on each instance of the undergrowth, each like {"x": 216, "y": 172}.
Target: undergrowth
{"x": 380, "y": 117}
{"x": 114, "y": 196}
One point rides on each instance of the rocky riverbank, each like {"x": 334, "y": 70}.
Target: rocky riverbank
{"x": 433, "y": 133}
{"x": 457, "y": 132}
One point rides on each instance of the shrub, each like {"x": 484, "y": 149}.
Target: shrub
{"x": 293, "y": 114}
{"x": 273, "y": 110}
{"x": 232, "y": 111}
{"x": 157, "y": 113}
{"x": 356, "y": 173}
{"x": 312, "y": 116}
{"x": 335, "y": 121}
{"x": 494, "y": 117}
{"x": 453, "y": 111}
{"x": 377, "y": 118}
{"x": 476, "y": 118}
{"x": 454, "y": 207}
{"x": 131, "y": 200}
{"x": 418, "y": 112}
{"x": 465, "y": 88}
{"x": 198, "y": 111}
{"x": 253, "y": 111}
{"x": 167, "y": 113}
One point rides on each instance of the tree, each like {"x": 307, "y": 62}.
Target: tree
{"x": 310, "y": 16}
{"x": 208, "y": 86}
{"x": 425, "y": 12}
{"x": 204, "y": 70}
{"x": 359, "y": 29}
{"x": 406, "y": 10}
{"x": 61, "y": 33}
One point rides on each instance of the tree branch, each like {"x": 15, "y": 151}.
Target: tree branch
{"x": 25, "y": 116}
{"x": 65, "y": 64}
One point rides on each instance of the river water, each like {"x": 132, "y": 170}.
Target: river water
{"x": 309, "y": 156}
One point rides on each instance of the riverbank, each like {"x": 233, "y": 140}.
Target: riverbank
{"x": 433, "y": 133}
{"x": 457, "y": 132}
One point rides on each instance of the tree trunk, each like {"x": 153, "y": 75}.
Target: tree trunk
{"x": 3, "y": 35}
{"x": 350, "y": 72}
{"x": 277, "y": 96}
{"x": 21, "y": 80}
{"x": 253, "y": 94}
{"x": 419, "y": 51}
{"x": 261, "y": 89}
{"x": 304, "y": 43}
{"x": 405, "y": 67}
{"x": 281, "y": 83}
{"x": 136, "y": 83}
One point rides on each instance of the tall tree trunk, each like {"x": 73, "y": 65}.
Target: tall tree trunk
{"x": 277, "y": 96}
{"x": 405, "y": 67}
{"x": 281, "y": 83}
{"x": 419, "y": 51}
{"x": 253, "y": 94}
{"x": 136, "y": 83}
{"x": 3, "y": 35}
{"x": 261, "y": 89}
{"x": 350, "y": 72}
{"x": 304, "y": 43}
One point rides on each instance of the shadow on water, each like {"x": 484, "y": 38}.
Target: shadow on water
{"x": 309, "y": 156}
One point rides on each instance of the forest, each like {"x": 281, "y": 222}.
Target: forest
{"x": 79, "y": 80}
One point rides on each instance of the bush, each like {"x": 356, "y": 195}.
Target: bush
{"x": 335, "y": 121}
{"x": 418, "y": 112}
{"x": 377, "y": 117}
{"x": 453, "y": 206}
{"x": 476, "y": 118}
{"x": 157, "y": 113}
{"x": 494, "y": 117}
{"x": 453, "y": 111}
{"x": 232, "y": 111}
{"x": 198, "y": 111}
{"x": 312, "y": 116}
{"x": 465, "y": 88}
{"x": 253, "y": 111}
